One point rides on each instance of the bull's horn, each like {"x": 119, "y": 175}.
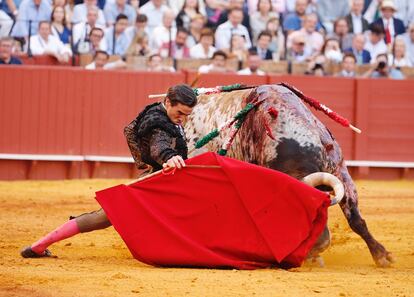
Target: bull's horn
{"x": 324, "y": 178}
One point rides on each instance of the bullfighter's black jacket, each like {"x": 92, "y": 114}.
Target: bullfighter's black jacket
{"x": 153, "y": 138}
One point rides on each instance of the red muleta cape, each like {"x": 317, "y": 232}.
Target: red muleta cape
{"x": 238, "y": 216}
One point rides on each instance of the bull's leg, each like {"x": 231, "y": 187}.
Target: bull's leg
{"x": 320, "y": 245}
{"x": 349, "y": 205}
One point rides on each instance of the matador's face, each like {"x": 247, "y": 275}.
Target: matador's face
{"x": 177, "y": 113}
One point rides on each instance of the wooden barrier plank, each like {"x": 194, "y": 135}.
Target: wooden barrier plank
{"x": 220, "y": 79}
{"x": 385, "y": 108}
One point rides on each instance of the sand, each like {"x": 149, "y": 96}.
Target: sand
{"x": 99, "y": 264}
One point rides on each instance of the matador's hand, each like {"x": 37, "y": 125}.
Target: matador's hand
{"x": 176, "y": 161}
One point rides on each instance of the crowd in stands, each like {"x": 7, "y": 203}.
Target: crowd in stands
{"x": 348, "y": 33}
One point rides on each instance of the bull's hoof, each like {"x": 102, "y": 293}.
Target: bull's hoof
{"x": 385, "y": 261}
{"x": 315, "y": 261}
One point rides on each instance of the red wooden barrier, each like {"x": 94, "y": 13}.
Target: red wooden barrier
{"x": 222, "y": 79}
{"x": 74, "y": 112}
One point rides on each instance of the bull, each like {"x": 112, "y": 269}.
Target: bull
{"x": 295, "y": 142}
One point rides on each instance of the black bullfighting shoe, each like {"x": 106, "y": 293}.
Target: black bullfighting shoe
{"x": 27, "y": 252}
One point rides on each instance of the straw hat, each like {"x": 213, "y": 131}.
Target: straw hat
{"x": 388, "y": 4}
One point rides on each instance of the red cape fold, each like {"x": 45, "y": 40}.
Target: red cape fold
{"x": 238, "y": 216}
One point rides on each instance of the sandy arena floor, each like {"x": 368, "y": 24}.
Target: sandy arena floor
{"x": 99, "y": 264}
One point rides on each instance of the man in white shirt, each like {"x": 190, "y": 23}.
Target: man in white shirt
{"x": 218, "y": 63}
{"x": 375, "y": 43}
{"x": 117, "y": 41}
{"x": 46, "y": 44}
{"x": 165, "y": 32}
{"x": 225, "y": 31}
{"x": 100, "y": 61}
{"x": 313, "y": 39}
{"x": 96, "y": 42}
{"x": 80, "y": 12}
{"x": 356, "y": 22}
{"x": 204, "y": 49}
{"x": 253, "y": 62}
{"x": 82, "y": 30}
{"x": 154, "y": 10}
{"x": 348, "y": 66}
{"x": 155, "y": 64}
{"x": 114, "y": 8}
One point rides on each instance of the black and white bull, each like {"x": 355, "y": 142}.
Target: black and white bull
{"x": 300, "y": 145}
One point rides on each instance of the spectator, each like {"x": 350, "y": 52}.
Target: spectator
{"x": 298, "y": 52}
{"x": 259, "y": 18}
{"x": 117, "y": 41}
{"x": 95, "y": 42}
{"x": 356, "y": 22}
{"x": 67, "y": 8}
{"x": 328, "y": 11}
{"x": 262, "y": 48}
{"x": 46, "y": 44}
{"x": 139, "y": 29}
{"x": 372, "y": 11}
{"x": 155, "y": 64}
{"x": 82, "y": 31}
{"x": 235, "y": 4}
{"x": 80, "y": 13}
{"x": 213, "y": 11}
{"x": 341, "y": 32}
{"x": 253, "y": 64}
{"x": 316, "y": 70}
{"x": 409, "y": 43}
{"x": 6, "y": 52}
{"x": 204, "y": 49}
{"x": 293, "y": 20}
{"x": 100, "y": 61}
{"x": 404, "y": 10}
{"x": 176, "y": 5}
{"x": 314, "y": 40}
{"x": 31, "y": 12}
{"x": 278, "y": 6}
{"x": 381, "y": 69}
{"x": 17, "y": 49}
{"x": 277, "y": 43}
{"x": 165, "y": 32}
{"x": 218, "y": 63}
{"x": 399, "y": 58}
{"x": 391, "y": 26}
{"x": 375, "y": 44}
{"x": 139, "y": 46}
{"x": 59, "y": 26}
{"x": 113, "y": 9}
{"x": 196, "y": 25}
{"x": 237, "y": 49}
{"x": 332, "y": 51}
{"x": 154, "y": 10}
{"x": 186, "y": 14}
{"x": 233, "y": 26}
{"x": 177, "y": 48}
{"x": 362, "y": 56}
{"x": 348, "y": 66}
{"x": 6, "y": 22}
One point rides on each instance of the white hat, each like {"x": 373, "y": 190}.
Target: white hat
{"x": 388, "y": 4}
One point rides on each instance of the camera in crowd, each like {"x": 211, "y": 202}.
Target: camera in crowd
{"x": 381, "y": 66}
